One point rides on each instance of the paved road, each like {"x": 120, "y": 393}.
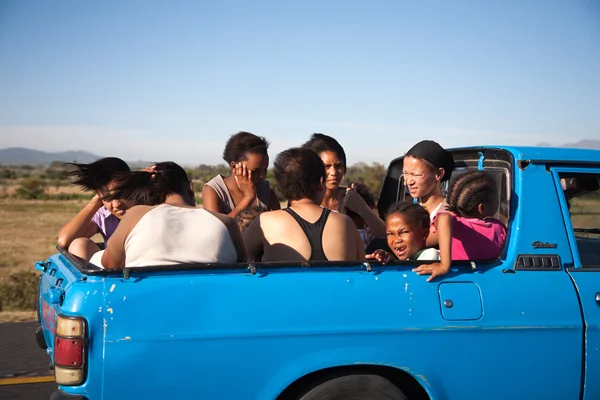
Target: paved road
{"x": 20, "y": 354}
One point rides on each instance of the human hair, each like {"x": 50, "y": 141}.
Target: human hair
{"x": 299, "y": 172}
{"x": 364, "y": 192}
{"x": 96, "y": 175}
{"x": 319, "y": 143}
{"x": 151, "y": 187}
{"x": 245, "y": 218}
{"x": 469, "y": 190}
{"x": 434, "y": 155}
{"x": 241, "y": 144}
{"x": 415, "y": 214}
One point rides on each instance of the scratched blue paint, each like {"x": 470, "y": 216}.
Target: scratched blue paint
{"x": 232, "y": 335}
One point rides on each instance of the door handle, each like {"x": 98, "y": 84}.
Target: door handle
{"x": 598, "y": 297}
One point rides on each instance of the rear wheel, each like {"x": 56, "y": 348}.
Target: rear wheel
{"x": 355, "y": 387}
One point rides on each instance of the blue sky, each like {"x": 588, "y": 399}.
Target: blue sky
{"x": 172, "y": 80}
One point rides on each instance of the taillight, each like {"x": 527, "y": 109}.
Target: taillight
{"x": 69, "y": 351}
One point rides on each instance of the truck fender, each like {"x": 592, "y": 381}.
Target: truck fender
{"x": 317, "y": 363}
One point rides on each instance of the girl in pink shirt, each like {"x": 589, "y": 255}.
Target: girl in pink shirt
{"x": 467, "y": 231}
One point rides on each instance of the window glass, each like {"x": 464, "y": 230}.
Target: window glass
{"x": 582, "y": 193}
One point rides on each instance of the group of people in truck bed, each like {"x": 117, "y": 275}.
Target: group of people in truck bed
{"x": 150, "y": 217}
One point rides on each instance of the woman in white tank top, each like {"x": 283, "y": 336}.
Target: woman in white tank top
{"x": 165, "y": 227}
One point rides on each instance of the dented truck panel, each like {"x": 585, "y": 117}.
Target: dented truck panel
{"x": 486, "y": 330}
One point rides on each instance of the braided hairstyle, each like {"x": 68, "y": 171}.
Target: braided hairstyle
{"x": 469, "y": 190}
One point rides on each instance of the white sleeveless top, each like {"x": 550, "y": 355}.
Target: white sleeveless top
{"x": 173, "y": 235}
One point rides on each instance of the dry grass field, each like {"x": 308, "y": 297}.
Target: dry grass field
{"x": 585, "y": 212}
{"x": 28, "y": 231}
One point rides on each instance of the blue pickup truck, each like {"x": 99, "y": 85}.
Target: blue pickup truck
{"x": 524, "y": 326}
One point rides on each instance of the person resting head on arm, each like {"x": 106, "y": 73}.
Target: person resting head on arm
{"x": 165, "y": 227}
{"x": 246, "y": 187}
{"x": 304, "y": 231}
{"x": 100, "y": 214}
{"x": 407, "y": 228}
{"x": 468, "y": 231}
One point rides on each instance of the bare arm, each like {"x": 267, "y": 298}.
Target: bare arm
{"x": 443, "y": 223}
{"x": 114, "y": 254}
{"x": 432, "y": 239}
{"x": 356, "y": 203}
{"x": 210, "y": 199}
{"x": 212, "y": 202}
{"x": 360, "y": 248}
{"x": 81, "y": 225}
{"x": 373, "y": 221}
{"x": 253, "y": 240}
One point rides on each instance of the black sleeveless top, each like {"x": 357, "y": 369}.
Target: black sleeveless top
{"x": 313, "y": 232}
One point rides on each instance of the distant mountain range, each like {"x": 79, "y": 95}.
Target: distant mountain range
{"x": 17, "y": 156}
{"x": 23, "y": 156}
{"x": 582, "y": 144}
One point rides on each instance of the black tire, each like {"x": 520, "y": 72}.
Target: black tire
{"x": 355, "y": 387}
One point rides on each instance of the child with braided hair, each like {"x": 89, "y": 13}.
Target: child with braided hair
{"x": 468, "y": 231}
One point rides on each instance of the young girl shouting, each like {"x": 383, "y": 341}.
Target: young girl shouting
{"x": 407, "y": 228}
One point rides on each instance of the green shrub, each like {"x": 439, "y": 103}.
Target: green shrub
{"x": 31, "y": 188}
{"x": 67, "y": 196}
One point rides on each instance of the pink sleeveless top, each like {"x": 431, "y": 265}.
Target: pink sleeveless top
{"x": 477, "y": 239}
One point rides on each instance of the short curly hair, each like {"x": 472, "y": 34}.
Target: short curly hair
{"x": 299, "y": 173}
{"x": 241, "y": 144}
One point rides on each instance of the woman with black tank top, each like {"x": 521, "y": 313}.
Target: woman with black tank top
{"x": 304, "y": 231}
